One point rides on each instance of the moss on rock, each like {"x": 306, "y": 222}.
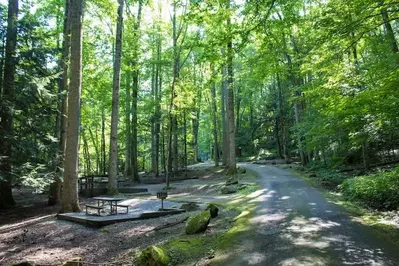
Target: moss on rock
{"x": 198, "y": 223}
{"x": 152, "y": 256}
{"x": 213, "y": 210}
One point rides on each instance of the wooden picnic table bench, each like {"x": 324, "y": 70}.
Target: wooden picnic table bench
{"x": 113, "y": 203}
{"x": 98, "y": 208}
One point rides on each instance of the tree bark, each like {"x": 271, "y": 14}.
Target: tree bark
{"x": 232, "y": 169}
{"x": 173, "y": 162}
{"x": 195, "y": 120}
{"x": 95, "y": 144}
{"x": 390, "y": 33}
{"x": 128, "y": 130}
{"x": 113, "y": 144}
{"x": 214, "y": 124}
{"x": 158, "y": 90}
{"x": 55, "y": 187}
{"x": 6, "y": 105}
{"x": 135, "y": 90}
{"x": 225, "y": 124}
{"x": 70, "y": 200}
{"x": 103, "y": 148}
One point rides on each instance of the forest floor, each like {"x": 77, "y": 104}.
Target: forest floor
{"x": 278, "y": 220}
{"x": 31, "y": 232}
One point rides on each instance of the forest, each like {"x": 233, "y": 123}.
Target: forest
{"x": 115, "y": 88}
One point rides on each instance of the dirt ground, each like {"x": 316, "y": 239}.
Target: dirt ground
{"x": 31, "y": 232}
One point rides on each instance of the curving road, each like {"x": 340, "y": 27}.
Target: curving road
{"x": 296, "y": 225}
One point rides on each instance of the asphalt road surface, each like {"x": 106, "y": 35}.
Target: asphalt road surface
{"x": 296, "y": 225}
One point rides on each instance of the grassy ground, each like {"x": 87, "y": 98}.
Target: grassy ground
{"x": 359, "y": 213}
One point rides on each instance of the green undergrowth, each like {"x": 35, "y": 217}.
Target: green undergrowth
{"x": 356, "y": 208}
{"x": 378, "y": 191}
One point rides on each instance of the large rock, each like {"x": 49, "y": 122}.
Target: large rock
{"x": 190, "y": 207}
{"x": 229, "y": 189}
{"x": 232, "y": 181}
{"x": 152, "y": 256}
{"x": 198, "y": 223}
{"x": 213, "y": 210}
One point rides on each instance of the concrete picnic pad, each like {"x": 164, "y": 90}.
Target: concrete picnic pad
{"x": 138, "y": 209}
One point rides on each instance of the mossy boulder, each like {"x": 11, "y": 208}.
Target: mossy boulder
{"x": 77, "y": 261}
{"x": 190, "y": 207}
{"x": 152, "y": 256}
{"x": 213, "y": 210}
{"x": 198, "y": 223}
{"x": 229, "y": 189}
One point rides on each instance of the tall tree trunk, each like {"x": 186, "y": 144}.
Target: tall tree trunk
{"x": 113, "y": 144}
{"x": 196, "y": 116}
{"x": 135, "y": 166}
{"x": 225, "y": 124}
{"x": 158, "y": 90}
{"x": 297, "y": 108}
{"x": 185, "y": 141}
{"x": 55, "y": 187}
{"x": 128, "y": 130}
{"x": 86, "y": 155}
{"x": 2, "y": 56}
{"x": 103, "y": 149}
{"x": 238, "y": 106}
{"x": 153, "y": 89}
{"x": 173, "y": 162}
{"x": 95, "y": 144}
{"x": 282, "y": 118}
{"x": 70, "y": 200}
{"x": 164, "y": 152}
{"x": 232, "y": 169}
{"x": 6, "y": 105}
{"x": 135, "y": 90}
{"x": 390, "y": 33}
{"x": 214, "y": 124}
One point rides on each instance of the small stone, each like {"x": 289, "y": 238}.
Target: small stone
{"x": 242, "y": 186}
{"x": 189, "y": 207}
{"x": 213, "y": 210}
{"x": 229, "y": 189}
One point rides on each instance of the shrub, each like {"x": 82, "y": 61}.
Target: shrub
{"x": 378, "y": 191}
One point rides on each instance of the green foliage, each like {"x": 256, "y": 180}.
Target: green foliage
{"x": 378, "y": 191}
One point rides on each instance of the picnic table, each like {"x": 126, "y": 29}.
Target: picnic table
{"x": 112, "y": 202}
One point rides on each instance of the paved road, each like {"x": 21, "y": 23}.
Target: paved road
{"x": 295, "y": 225}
